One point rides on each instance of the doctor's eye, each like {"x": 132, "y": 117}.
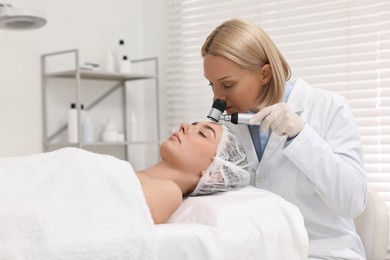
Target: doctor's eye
{"x": 210, "y": 84}
{"x": 228, "y": 85}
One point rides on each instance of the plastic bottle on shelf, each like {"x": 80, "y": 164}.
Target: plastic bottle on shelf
{"x": 83, "y": 113}
{"x": 120, "y": 52}
{"x": 87, "y": 129}
{"x": 125, "y": 65}
{"x": 121, "y": 137}
{"x": 110, "y": 133}
{"x": 73, "y": 131}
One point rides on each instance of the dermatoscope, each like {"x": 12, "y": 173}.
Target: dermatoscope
{"x": 219, "y": 107}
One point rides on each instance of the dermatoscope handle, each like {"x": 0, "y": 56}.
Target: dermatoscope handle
{"x": 239, "y": 119}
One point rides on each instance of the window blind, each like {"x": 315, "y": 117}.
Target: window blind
{"x": 339, "y": 45}
{"x": 344, "y": 46}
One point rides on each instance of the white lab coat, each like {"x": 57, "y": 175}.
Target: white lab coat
{"x": 320, "y": 171}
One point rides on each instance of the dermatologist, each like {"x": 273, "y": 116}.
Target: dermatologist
{"x": 307, "y": 148}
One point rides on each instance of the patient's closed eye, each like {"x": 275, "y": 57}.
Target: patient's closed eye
{"x": 202, "y": 134}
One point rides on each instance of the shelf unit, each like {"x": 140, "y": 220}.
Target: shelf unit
{"x": 119, "y": 81}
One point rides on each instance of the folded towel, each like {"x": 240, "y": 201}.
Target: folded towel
{"x": 72, "y": 204}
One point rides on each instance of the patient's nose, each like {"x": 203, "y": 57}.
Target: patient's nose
{"x": 184, "y": 127}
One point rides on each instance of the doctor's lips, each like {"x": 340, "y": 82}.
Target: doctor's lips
{"x": 228, "y": 109}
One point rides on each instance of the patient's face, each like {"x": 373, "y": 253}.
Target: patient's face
{"x": 192, "y": 147}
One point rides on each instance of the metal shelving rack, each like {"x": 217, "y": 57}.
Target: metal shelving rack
{"x": 79, "y": 75}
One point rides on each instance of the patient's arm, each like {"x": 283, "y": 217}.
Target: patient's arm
{"x": 163, "y": 197}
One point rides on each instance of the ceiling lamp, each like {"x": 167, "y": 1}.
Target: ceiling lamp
{"x": 20, "y": 18}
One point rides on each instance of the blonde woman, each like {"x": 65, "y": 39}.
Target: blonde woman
{"x": 307, "y": 148}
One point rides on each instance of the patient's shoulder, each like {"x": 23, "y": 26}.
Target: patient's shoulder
{"x": 162, "y": 196}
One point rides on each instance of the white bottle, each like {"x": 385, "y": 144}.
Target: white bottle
{"x": 120, "y": 52}
{"x": 110, "y": 133}
{"x": 133, "y": 127}
{"x": 83, "y": 113}
{"x": 109, "y": 62}
{"x": 125, "y": 65}
{"x": 73, "y": 131}
{"x": 87, "y": 130}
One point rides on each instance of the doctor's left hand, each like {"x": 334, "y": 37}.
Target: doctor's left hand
{"x": 281, "y": 119}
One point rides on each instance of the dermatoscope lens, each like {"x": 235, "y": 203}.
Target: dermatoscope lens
{"x": 216, "y": 110}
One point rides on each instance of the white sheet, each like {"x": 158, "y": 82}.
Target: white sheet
{"x": 251, "y": 224}
{"x": 188, "y": 242}
{"x": 72, "y": 204}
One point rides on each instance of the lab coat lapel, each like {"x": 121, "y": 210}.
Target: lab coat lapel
{"x": 296, "y": 102}
{"x": 274, "y": 142}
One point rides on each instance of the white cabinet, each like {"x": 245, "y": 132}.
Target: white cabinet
{"x": 75, "y": 80}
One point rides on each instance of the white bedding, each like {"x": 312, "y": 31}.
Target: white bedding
{"x": 188, "y": 242}
{"x": 250, "y": 224}
{"x": 72, "y": 204}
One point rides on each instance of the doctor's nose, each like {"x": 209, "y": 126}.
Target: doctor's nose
{"x": 219, "y": 93}
{"x": 222, "y": 97}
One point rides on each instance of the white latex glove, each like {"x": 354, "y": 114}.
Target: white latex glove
{"x": 281, "y": 119}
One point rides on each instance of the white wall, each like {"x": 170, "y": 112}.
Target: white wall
{"x": 90, "y": 26}
{"x": 154, "y": 43}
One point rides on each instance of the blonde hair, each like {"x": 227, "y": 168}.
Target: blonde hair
{"x": 250, "y": 47}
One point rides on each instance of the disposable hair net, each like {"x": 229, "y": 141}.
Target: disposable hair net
{"x": 229, "y": 170}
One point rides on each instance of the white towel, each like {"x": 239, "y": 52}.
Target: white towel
{"x": 72, "y": 204}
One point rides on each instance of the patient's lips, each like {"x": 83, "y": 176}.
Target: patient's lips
{"x": 177, "y": 136}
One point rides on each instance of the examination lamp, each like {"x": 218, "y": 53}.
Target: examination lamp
{"x": 20, "y": 18}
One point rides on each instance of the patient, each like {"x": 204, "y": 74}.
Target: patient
{"x": 201, "y": 158}
{"x": 198, "y": 159}
{"x": 74, "y": 204}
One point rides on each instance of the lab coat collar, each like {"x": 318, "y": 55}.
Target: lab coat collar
{"x": 298, "y": 95}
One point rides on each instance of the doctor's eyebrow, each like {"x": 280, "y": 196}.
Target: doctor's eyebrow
{"x": 207, "y": 127}
{"x": 226, "y": 77}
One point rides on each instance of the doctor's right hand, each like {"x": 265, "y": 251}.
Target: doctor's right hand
{"x": 280, "y": 118}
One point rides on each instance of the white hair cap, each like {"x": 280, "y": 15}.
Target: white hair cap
{"x": 230, "y": 168}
